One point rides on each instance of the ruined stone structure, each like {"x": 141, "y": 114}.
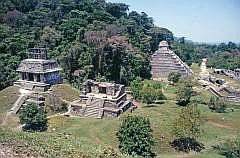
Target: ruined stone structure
{"x": 226, "y": 93}
{"x": 165, "y": 61}
{"x": 25, "y": 99}
{"x": 37, "y": 72}
{"x": 100, "y": 99}
{"x": 235, "y": 74}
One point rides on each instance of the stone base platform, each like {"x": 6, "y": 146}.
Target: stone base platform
{"x": 33, "y": 86}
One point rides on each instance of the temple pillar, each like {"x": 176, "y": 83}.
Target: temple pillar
{"x": 20, "y": 76}
{"x": 27, "y": 76}
{"x": 35, "y": 77}
{"x": 42, "y": 78}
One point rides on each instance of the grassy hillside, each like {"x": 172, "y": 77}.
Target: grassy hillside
{"x": 216, "y": 129}
{"x": 53, "y": 145}
{"x": 98, "y": 135}
{"x": 8, "y": 97}
{"x": 87, "y": 137}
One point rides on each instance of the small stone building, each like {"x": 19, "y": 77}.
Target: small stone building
{"x": 37, "y": 72}
{"x": 165, "y": 61}
{"x": 101, "y": 99}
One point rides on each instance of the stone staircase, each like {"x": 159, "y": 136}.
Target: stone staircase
{"x": 124, "y": 105}
{"x": 165, "y": 61}
{"x": 17, "y": 105}
{"x": 94, "y": 108}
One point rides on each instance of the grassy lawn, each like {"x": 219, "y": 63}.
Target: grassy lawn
{"x": 65, "y": 91}
{"x": 103, "y": 131}
{"x": 99, "y": 134}
{"x": 196, "y": 69}
{"x": 53, "y": 145}
{"x": 8, "y": 97}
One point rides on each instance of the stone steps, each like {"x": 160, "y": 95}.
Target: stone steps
{"x": 165, "y": 69}
{"x": 124, "y": 107}
{"x": 17, "y": 105}
{"x": 93, "y": 108}
{"x": 93, "y": 114}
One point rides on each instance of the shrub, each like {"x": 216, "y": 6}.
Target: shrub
{"x": 187, "y": 144}
{"x": 135, "y": 136}
{"x": 230, "y": 149}
{"x": 217, "y": 104}
{"x": 174, "y": 77}
{"x": 187, "y": 128}
{"x": 63, "y": 107}
{"x": 199, "y": 99}
{"x": 34, "y": 118}
{"x": 148, "y": 95}
{"x": 159, "y": 95}
{"x": 136, "y": 86}
{"x": 184, "y": 94}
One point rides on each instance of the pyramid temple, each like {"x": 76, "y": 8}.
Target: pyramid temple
{"x": 165, "y": 61}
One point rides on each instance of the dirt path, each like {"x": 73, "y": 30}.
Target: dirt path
{"x": 179, "y": 155}
{"x": 220, "y": 125}
{"x": 5, "y": 119}
{"x": 136, "y": 103}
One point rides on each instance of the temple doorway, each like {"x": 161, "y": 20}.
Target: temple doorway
{"x": 103, "y": 90}
{"x": 30, "y": 77}
{"x": 38, "y": 77}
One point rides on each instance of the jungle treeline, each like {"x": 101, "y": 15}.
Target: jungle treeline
{"x": 93, "y": 39}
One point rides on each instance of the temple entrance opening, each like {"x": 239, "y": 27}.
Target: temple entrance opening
{"x": 103, "y": 90}
{"x": 38, "y": 77}
{"x": 30, "y": 77}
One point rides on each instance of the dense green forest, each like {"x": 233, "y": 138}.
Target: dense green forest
{"x": 89, "y": 38}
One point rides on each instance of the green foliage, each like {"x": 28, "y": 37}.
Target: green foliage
{"x": 219, "y": 56}
{"x": 87, "y": 37}
{"x": 100, "y": 78}
{"x": 91, "y": 37}
{"x": 174, "y": 77}
{"x": 150, "y": 94}
{"x": 63, "y": 107}
{"x": 225, "y": 60}
{"x": 230, "y": 148}
{"x": 187, "y": 128}
{"x": 217, "y": 104}
{"x": 187, "y": 144}
{"x": 184, "y": 92}
{"x": 53, "y": 145}
{"x": 188, "y": 123}
{"x": 34, "y": 118}
{"x": 135, "y": 136}
{"x": 136, "y": 86}
{"x": 147, "y": 91}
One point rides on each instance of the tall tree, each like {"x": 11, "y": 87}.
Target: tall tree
{"x": 135, "y": 136}
{"x": 187, "y": 128}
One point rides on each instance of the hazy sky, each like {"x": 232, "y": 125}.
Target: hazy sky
{"x": 198, "y": 20}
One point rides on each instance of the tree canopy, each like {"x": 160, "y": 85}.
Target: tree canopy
{"x": 93, "y": 37}
{"x": 87, "y": 37}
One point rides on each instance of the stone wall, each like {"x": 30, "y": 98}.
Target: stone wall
{"x": 52, "y": 78}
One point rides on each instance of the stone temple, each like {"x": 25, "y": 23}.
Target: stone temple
{"x": 100, "y": 99}
{"x": 37, "y": 73}
{"x": 165, "y": 61}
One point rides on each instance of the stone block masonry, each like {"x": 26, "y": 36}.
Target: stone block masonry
{"x": 37, "y": 72}
{"x": 165, "y": 61}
